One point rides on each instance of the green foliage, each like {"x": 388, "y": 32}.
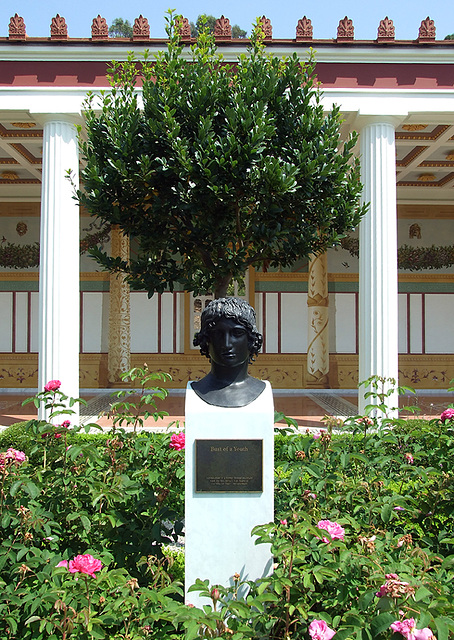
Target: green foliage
{"x": 388, "y": 483}
{"x": 203, "y": 23}
{"x": 15, "y": 436}
{"x": 208, "y": 22}
{"x": 118, "y": 497}
{"x": 226, "y": 166}
{"x": 120, "y": 28}
{"x": 126, "y": 413}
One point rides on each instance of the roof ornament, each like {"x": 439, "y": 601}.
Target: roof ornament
{"x": 426, "y": 30}
{"x": 58, "y": 28}
{"x": 183, "y": 27}
{"x": 17, "y": 28}
{"x": 222, "y": 28}
{"x": 345, "y": 30}
{"x": 141, "y": 29}
{"x": 304, "y": 30}
{"x": 386, "y": 30}
{"x": 99, "y": 29}
{"x": 265, "y": 26}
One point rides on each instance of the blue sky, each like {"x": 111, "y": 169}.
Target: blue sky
{"x": 325, "y": 15}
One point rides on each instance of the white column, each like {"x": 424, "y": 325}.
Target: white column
{"x": 378, "y": 350}
{"x": 59, "y": 259}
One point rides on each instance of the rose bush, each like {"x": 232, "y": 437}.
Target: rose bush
{"x": 114, "y": 499}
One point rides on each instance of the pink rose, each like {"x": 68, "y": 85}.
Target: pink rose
{"x": 448, "y": 414}
{"x": 319, "y": 630}
{"x": 408, "y": 629}
{"x": 14, "y": 454}
{"x": 66, "y": 424}
{"x": 334, "y": 529}
{"x": 177, "y": 441}
{"x": 283, "y": 522}
{"x": 52, "y": 385}
{"x": 409, "y": 458}
{"x": 63, "y": 563}
{"x": 57, "y": 435}
{"x": 85, "y": 563}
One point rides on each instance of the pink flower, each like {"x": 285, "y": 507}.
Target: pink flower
{"x": 319, "y": 630}
{"x": 448, "y": 414}
{"x": 52, "y": 385}
{"x": 177, "y": 441}
{"x": 66, "y": 424}
{"x": 14, "y": 454}
{"x": 85, "y": 563}
{"x": 398, "y": 509}
{"x": 63, "y": 563}
{"x": 409, "y": 458}
{"x": 57, "y": 435}
{"x": 408, "y": 629}
{"x": 334, "y": 529}
{"x": 283, "y": 522}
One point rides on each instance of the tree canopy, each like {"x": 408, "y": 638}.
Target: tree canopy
{"x": 223, "y": 166}
{"x": 120, "y": 28}
{"x": 205, "y": 21}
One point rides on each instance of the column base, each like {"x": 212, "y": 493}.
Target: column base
{"x": 316, "y": 381}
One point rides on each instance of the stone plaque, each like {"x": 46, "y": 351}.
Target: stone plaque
{"x": 229, "y": 466}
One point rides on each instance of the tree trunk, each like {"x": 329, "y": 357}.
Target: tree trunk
{"x": 220, "y": 290}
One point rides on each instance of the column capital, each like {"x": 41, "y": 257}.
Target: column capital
{"x": 363, "y": 121}
{"x": 68, "y": 118}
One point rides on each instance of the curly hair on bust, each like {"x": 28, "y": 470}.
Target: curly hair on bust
{"x": 235, "y": 309}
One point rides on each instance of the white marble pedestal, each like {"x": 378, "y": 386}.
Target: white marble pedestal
{"x": 218, "y": 525}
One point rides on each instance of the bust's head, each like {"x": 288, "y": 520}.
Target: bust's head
{"x": 234, "y": 309}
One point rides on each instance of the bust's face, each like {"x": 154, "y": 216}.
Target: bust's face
{"x": 228, "y": 343}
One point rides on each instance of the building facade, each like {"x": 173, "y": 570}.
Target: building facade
{"x": 328, "y": 323}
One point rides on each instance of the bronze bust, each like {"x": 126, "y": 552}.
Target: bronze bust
{"x": 229, "y": 338}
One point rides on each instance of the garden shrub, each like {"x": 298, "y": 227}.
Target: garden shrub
{"x": 362, "y": 539}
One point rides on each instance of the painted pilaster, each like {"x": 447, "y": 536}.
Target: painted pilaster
{"x": 59, "y": 259}
{"x": 119, "y": 358}
{"x": 318, "y": 322}
{"x": 378, "y": 329}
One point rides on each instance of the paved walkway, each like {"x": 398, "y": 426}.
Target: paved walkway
{"x": 306, "y": 407}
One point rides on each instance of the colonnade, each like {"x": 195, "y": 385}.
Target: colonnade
{"x": 59, "y": 266}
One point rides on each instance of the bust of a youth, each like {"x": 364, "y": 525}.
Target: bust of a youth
{"x": 229, "y": 338}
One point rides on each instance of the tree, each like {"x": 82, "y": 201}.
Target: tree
{"x": 224, "y": 167}
{"x": 238, "y": 32}
{"x": 203, "y": 23}
{"x": 120, "y": 28}
{"x": 450, "y": 37}
{"x": 209, "y": 22}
